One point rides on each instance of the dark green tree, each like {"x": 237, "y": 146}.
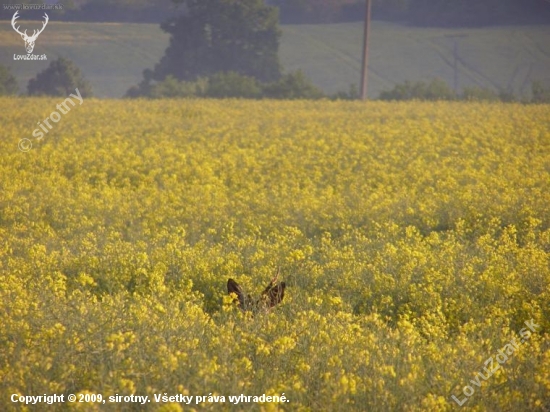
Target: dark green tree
{"x": 61, "y": 78}
{"x": 170, "y": 88}
{"x": 212, "y": 36}
{"x": 224, "y": 85}
{"x": 540, "y": 93}
{"x": 293, "y": 86}
{"x": 8, "y": 83}
{"x": 436, "y": 89}
{"x": 475, "y": 93}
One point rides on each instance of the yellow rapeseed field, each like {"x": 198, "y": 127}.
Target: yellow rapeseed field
{"x": 414, "y": 240}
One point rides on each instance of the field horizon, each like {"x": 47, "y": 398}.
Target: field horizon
{"x": 113, "y": 56}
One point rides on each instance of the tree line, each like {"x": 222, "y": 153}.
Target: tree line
{"x": 63, "y": 76}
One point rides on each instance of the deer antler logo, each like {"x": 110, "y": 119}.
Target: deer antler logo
{"x": 271, "y": 296}
{"x": 29, "y": 40}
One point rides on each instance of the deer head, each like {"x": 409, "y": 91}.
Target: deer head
{"x": 271, "y": 296}
{"x": 29, "y": 40}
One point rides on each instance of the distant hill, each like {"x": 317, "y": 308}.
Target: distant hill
{"x": 500, "y": 57}
{"x": 114, "y": 55}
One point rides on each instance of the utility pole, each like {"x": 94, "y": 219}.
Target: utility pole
{"x": 455, "y": 65}
{"x": 455, "y": 38}
{"x": 364, "y": 68}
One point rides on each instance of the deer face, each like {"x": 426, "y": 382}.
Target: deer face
{"x": 271, "y": 296}
{"x": 29, "y": 40}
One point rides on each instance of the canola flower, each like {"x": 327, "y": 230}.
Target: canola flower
{"x": 413, "y": 239}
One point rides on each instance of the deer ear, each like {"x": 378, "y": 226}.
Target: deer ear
{"x": 276, "y": 294}
{"x": 233, "y": 287}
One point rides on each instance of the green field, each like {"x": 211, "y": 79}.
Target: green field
{"x": 113, "y": 56}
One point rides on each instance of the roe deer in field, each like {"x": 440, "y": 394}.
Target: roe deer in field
{"x": 271, "y": 296}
